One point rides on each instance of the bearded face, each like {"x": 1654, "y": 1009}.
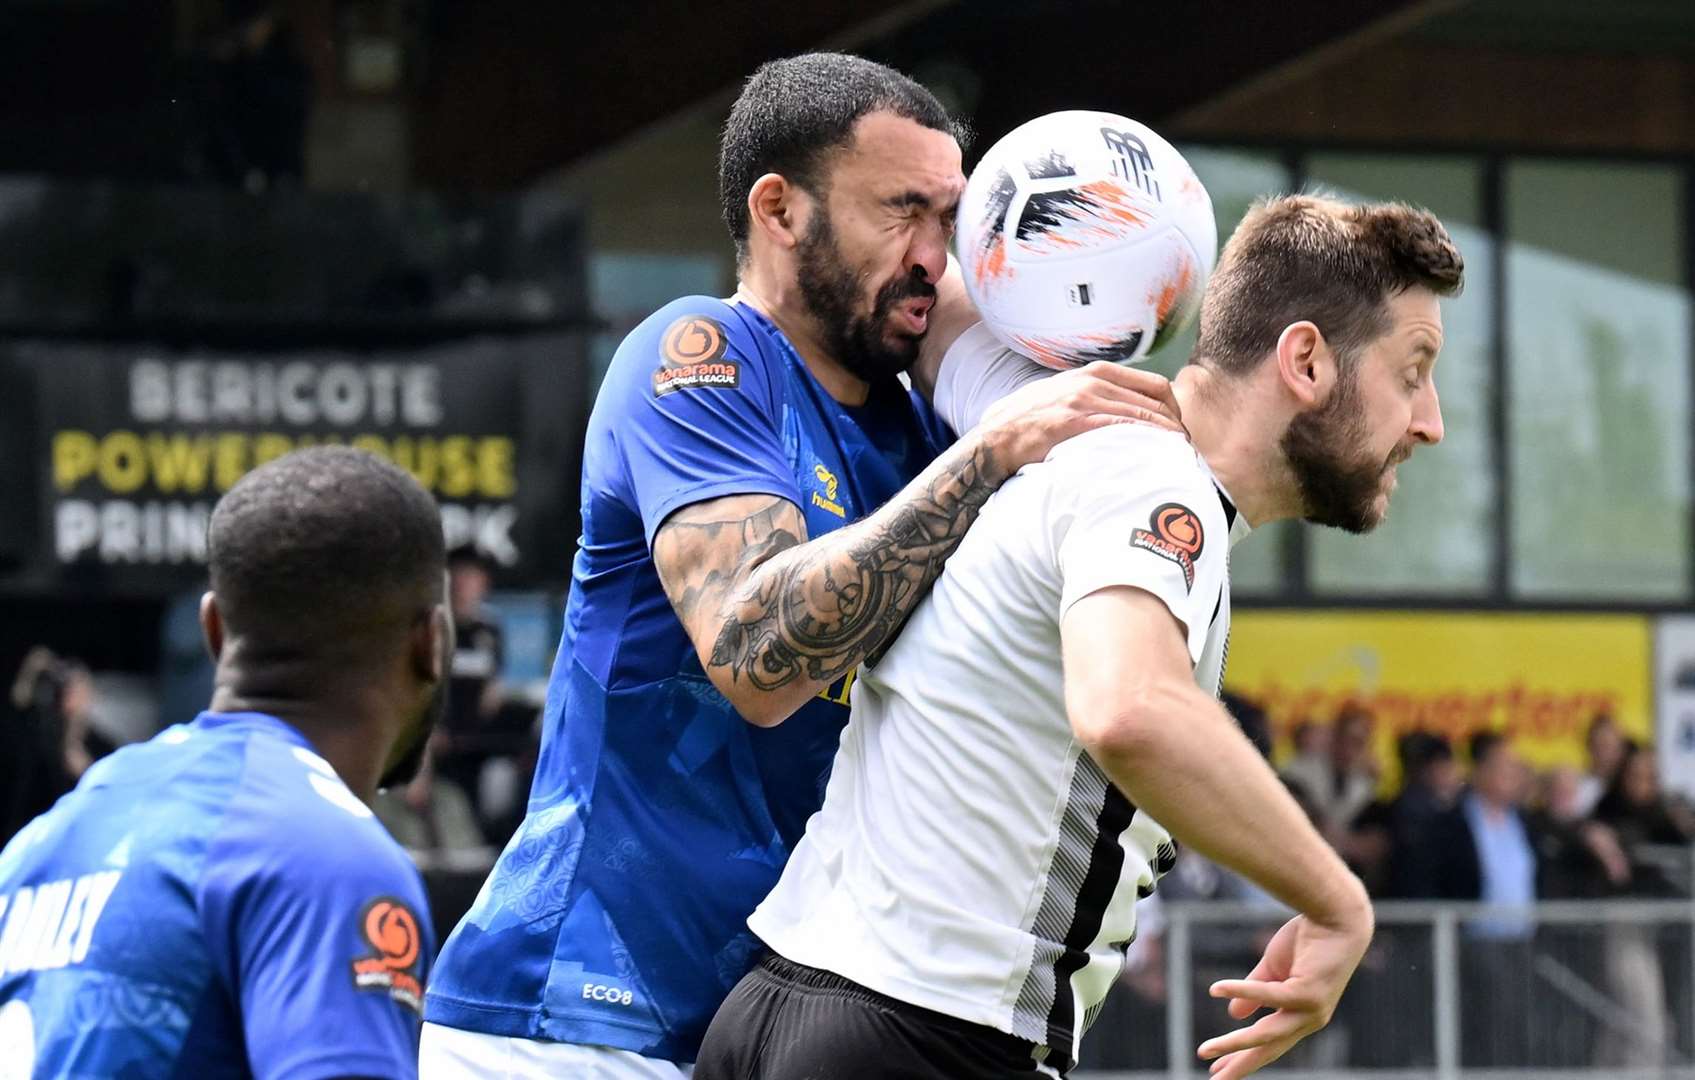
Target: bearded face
{"x": 872, "y": 344}
{"x": 1342, "y": 484}
{"x": 412, "y": 745}
{"x": 407, "y": 757}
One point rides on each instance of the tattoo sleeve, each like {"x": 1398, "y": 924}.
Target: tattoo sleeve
{"x": 772, "y": 613}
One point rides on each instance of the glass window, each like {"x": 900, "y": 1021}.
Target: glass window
{"x": 1598, "y": 354}
{"x": 1234, "y": 179}
{"x": 626, "y": 287}
{"x": 1438, "y": 537}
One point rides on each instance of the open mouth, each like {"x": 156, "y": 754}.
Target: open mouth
{"x": 915, "y": 314}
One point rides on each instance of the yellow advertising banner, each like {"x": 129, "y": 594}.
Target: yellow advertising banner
{"x": 1539, "y": 678}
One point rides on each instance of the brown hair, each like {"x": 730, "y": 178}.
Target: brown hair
{"x": 1307, "y": 257}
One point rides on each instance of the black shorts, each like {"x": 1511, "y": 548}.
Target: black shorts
{"x": 786, "y": 1021}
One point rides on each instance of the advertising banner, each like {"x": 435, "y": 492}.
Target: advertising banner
{"x": 133, "y": 451}
{"x": 1539, "y": 678}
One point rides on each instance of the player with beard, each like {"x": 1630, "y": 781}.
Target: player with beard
{"x": 960, "y": 905}
{"x": 763, "y": 504}
{"x": 220, "y": 901}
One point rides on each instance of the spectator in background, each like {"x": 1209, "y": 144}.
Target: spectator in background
{"x": 473, "y": 694}
{"x": 80, "y": 745}
{"x": 1311, "y": 743}
{"x": 1342, "y": 783}
{"x": 1579, "y": 858}
{"x": 1640, "y": 814}
{"x": 1484, "y": 851}
{"x": 1337, "y": 789}
{"x": 1485, "y": 845}
{"x": 49, "y": 740}
{"x": 1606, "y": 745}
{"x": 1431, "y": 790}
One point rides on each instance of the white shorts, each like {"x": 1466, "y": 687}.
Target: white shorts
{"x": 451, "y": 1054}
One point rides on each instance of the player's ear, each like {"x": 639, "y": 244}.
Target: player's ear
{"x": 212, "y": 625}
{"x": 432, "y": 645}
{"x": 773, "y": 210}
{"x": 1306, "y": 364}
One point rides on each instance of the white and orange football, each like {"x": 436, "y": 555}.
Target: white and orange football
{"x": 1085, "y": 236}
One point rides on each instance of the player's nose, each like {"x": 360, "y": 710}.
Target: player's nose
{"x": 1427, "y": 416}
{"x": 929, "y": 251}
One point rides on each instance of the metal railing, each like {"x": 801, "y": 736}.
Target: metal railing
{"x": 1557, "y": 989}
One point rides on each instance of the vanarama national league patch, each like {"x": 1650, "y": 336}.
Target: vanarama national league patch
{"x": 691, "y": 355}
{"x": 390, "y": 930}
{"x": 1174, "y": 532}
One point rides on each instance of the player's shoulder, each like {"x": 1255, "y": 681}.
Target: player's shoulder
{"x": 697, "y": 329}
{"x": 292, "y": 810}
{"x": 1149, "y": 480}
{"x": 1130, "y": 454}
{"x": 694, "y": 342}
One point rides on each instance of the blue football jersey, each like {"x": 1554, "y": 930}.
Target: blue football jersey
{"x": 214, "y": 902}
{"x": 659, "y": 818}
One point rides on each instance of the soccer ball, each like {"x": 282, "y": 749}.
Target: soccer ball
{"x": 1085, "y": 236}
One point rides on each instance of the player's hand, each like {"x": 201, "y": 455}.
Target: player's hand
{"x": 1025, "y": 425}
{"x": 1306, "y": 967}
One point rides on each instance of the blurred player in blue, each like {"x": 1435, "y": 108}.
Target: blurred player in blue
{"x": 220, "y": 901}
{"x": 763, "y": 504}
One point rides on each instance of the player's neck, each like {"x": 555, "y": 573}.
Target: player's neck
{"x": 1239, "y": 444}
{"x": 349, "y": 731}
{"x": 787, "y": 311}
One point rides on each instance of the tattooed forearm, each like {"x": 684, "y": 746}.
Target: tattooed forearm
{"x": 784, "y": 614}
{"x": 720, "y": 552}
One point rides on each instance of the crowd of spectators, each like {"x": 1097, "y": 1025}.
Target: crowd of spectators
{"x": 1472, "y": 823}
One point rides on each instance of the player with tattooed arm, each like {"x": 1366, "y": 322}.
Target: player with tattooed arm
{"x": 763, "y": 504}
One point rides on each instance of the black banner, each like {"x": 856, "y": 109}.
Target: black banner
{"x": 134, "y": 446}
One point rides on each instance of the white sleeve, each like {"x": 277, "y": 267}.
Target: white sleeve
{"x": 977, "y": 371}
{"x": 1141, "y": 518}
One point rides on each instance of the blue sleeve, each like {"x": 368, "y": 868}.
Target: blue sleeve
{"x": 323, "y": 937}
{"x": 697, "y": 411}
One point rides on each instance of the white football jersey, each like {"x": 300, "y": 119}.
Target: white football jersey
{"x": 970, "y": 857}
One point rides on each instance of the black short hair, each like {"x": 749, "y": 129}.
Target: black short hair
{"x": 792, "y": 112}
{"x": 1485, "y": 743}
{"x": 328, "y": 551}
{"x": 1421, "y": 749}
